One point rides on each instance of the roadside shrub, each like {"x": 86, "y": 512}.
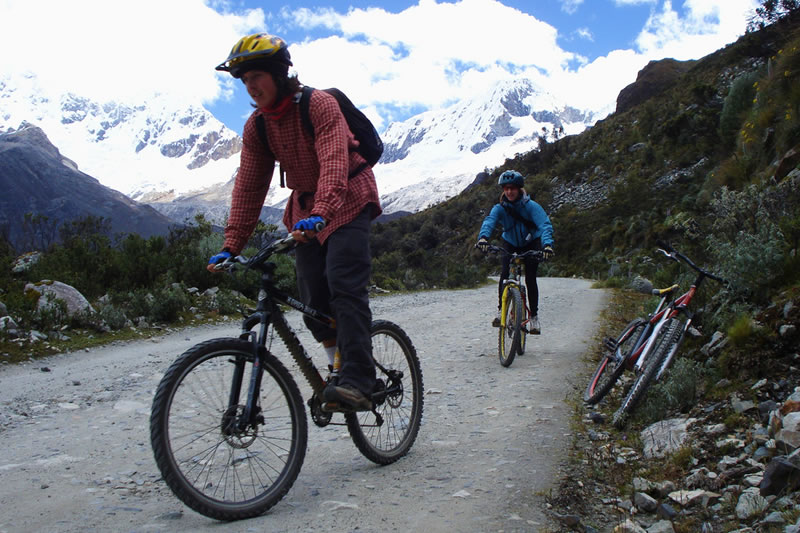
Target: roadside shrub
{"x": 676, "y": 392}
{"x": 113, "y": 316}
{"x": 738, "y": 102}
{"x": 741, "y": 330}
{"x": 167, "y": 304}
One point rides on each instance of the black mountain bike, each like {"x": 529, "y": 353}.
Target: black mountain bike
{"x": 228, "y": 425}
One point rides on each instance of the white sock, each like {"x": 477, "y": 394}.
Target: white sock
{"x": 331, "y": 351}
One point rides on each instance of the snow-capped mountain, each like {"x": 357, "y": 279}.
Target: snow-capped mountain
{"x": 177, "y": 157}
{"x": 156, "y": 148}
{"x": 435, "y": 155}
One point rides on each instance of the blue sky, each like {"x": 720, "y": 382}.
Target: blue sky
{"x": 394, "y": 58}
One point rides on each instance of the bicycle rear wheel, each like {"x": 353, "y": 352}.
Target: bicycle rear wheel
{"x": 510, "y": 326}
{"x": 210, "y": 464}
{"x": 611, "y": 366}
{"x": 399, "y": 407}
{"x": 667, "y": 337}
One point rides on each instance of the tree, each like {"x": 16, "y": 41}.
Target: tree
{"x": 772, "y": 11}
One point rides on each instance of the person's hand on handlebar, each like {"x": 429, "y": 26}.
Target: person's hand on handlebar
{"x": 548, "y": 251}
{"x": 216, "y": 259}
{"x": 307, "y": 229}
{"x": 482, "y": 245}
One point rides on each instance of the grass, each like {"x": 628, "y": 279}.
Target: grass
{"x": 14, "y": 351}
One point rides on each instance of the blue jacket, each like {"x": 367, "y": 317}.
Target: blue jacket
{"x": 514, "y": 231}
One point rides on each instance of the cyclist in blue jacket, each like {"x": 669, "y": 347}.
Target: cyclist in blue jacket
{"x": 526, "y": 226}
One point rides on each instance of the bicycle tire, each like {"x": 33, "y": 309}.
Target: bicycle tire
{"x": 227, "y": 476}
{"x": 510, "y": 326}
{"x": 611, "y": 367}
{"x": 667, "y": 337}
{"x": 401, "y": 411}
{"x": 523, "y": 334}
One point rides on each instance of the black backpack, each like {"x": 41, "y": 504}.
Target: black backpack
{"x": 370, "y": 144}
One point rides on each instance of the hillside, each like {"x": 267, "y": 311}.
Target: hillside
{"x": 711, "y": 141}
{"x": 704, "y": 155}
{"x": 36, "y": 179}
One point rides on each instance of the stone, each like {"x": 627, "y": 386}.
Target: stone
{"x": 662, "y": 526}
{"x": 75, "y": 302}
{"x": 645, "y": 502}
{"x": 750, "y": 504}
{"x": 665, "y": 437}
{"x": 781, "y": 475}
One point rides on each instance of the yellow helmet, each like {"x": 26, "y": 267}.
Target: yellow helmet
{"x": 256, "y": 50}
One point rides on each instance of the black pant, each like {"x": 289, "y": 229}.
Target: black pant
{"x": 334, "y": 278}
{"x": 531, "y": 267}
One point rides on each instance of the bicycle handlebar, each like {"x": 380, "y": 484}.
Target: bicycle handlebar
{"x": 675, "y": 255}
{"x": 275, "y": 247}
{"x": 536, "y": 254}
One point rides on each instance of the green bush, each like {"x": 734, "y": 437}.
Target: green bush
{"x": 167, "y": 304}
{"x": 737, "y": 103}
{"x": 113, "y": 316}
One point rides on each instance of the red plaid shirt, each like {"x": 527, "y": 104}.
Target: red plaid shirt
{"x": 316, "y": 169}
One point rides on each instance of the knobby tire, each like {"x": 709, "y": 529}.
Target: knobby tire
{"x": 510, "y": 326}
{"x": 613, "y": 364}
{"x": 219, "y": 473}
{"x": 667, "y": 337}
{"x": 401, "y": 410}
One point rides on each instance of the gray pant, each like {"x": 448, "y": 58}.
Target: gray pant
{"x": 333, "y": 279}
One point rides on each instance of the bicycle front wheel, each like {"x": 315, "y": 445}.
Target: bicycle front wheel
{"x": 215, "y": 465}
{"x": 398, "y": 399}
{"x": 668, "y": 335}
{"x": 612, "y": 364}
{"x": 510, "y": 326}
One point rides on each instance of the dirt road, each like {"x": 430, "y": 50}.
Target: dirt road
{"x": 75, "y": 453}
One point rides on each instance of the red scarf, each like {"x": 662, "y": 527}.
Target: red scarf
{"x": 277, "y": 111}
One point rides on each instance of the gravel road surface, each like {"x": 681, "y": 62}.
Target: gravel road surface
{"x": 75, "y": 452}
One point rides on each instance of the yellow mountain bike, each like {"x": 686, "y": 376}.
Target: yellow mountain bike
{"x": 515, "y": 314}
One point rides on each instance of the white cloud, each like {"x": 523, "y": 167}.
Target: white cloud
{"x": 425, "y": 56}
{"x": 426, "y": 53}
{"x": 584, "y": 33}
{"x": 704, "y": 27}
{"x": 570, "y": 6}
{"x": 120, "y": 51}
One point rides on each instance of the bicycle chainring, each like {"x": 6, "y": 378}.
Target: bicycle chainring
{"x": 318, "y": 416}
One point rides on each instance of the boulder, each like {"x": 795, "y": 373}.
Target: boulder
{"x": 48, "y": 291}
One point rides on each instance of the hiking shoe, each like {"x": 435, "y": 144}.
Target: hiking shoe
{"x": 496, "y": 321}
{"x": 533, "y": 326}
{"x": 348, "y": 396}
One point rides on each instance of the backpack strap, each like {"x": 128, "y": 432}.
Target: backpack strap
{"x": 261, "y": 128}
{"x": 528, "y": 223}
{"x": 305, "y": 118}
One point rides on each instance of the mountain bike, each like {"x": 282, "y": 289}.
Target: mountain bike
{"x": 515, "y": 314}
{"x": 228, "y": 425}
{"x": 648, "y": 346}
{"x": 621, "y": 354}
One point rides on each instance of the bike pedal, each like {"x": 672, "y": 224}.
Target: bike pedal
{"x": 610, "y": 344}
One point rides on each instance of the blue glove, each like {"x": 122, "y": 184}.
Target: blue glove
{"x": 220, "y": 257}
{"x": 312, "y": 223}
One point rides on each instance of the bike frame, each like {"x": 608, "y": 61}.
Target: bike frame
{"x": 515, "y": 279}
{"x": 268, "y": 312}
{"x": 658, "y": 320}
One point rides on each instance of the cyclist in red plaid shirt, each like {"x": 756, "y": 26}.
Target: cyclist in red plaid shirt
{"x": 329, "y": 212}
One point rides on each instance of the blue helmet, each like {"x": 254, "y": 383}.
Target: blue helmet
{"x": 511, "y": 177}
